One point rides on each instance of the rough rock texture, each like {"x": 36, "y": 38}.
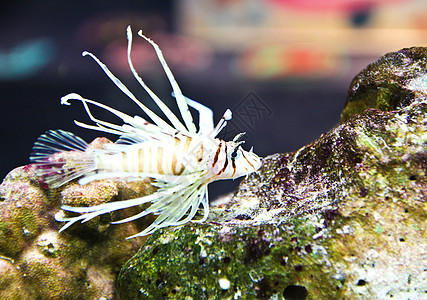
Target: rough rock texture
{"x": 388, "y": 83}
{"x": 341, "y": 218}
{"x": 80, "y": 263}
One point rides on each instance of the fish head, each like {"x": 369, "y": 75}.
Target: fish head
{"x": 232, "y": 161}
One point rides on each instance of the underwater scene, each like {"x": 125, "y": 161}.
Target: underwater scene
{"x": 244, "y": 149}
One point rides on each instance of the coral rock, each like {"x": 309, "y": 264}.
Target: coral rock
{"x": 80, "y": 263}
{"x": 389, "y": 83}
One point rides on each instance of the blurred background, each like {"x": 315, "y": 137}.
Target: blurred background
{"x": 282, "y": 66}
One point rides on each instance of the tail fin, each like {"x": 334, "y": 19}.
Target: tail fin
{"x": 61, "y": 157}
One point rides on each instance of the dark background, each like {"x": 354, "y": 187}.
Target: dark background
{"x": 292, "y": 111}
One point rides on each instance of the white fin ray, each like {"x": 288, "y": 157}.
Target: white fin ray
{"x": 140, "y": 135}
{"x": 173, "y": 200}
{"x": 169, "y": 179}
{"x": 98, "y": 128}
{"x": 71, "y": 141}
{"x": 156, "y": 119}
{"x": 151, "y": 131}
{"x": 168, "y": 113}
{"x": 180, "y": 100}
{"x": 171, "y": 214}
{"x": 69, "y": 221}
{"x": 159, "y": 205}
{"x": 111, "y": 206}
{"x": 206, "y": 123}
{"x": 140, "y": 123}
{"x": 89, "y": 213}
{"x": 73, "y": 96}
{"x": 56, "y": 180}
{"x": 168, "y": 203}
{"x": 222, "y": 123}
{"x": 125, "y": 118}
{"x": 176, "y": 218}
{"x": 134, "y": 135}
{"x": 205, "y": 204}
{"x": 54, "y": 141}
{"x": 137, "y": 125}
{"x": 129, "y": 139}
{"x": 54, "y": 171}
{"x": 116, "y": 205}
{"x": 135, "y": 217}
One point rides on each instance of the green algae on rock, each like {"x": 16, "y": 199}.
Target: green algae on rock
{"x": 38, "y": 263}
{"x": 341, "y": 218}
{"x": 388, "y": 83}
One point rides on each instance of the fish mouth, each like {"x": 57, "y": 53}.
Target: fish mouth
{"x": 256, "y": 161}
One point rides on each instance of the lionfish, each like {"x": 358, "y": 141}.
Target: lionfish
{"x": 180, "y": 160}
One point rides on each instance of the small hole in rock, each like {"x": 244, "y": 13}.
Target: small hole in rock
{"x": 412, "y": 177}
{"x": 299, "y": 268}
{"x": 361, "y": 282}
{"x": 363, "y": 192}
{"x": 295, "y": 292}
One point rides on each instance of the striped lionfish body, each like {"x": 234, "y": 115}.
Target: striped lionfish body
{"x": 180, "y": 160}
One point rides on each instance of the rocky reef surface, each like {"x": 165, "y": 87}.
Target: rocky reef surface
{"x": 341, "y": 218}
{"x": 80, "y": 263}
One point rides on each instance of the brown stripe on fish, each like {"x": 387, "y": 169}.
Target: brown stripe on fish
{"x": 160, "y": 160}
{"x": 217, "y": 154}
{"x": 243, "y": 154}
{"x": 233, "y": 163}
{"x": 187, "y": 144}
{"x": 151, "y": 157}
{"x": 175, "y": 158}
{"x": 174, "y": 161}
{"x": 124, "y": 161}
{"x": 199, "y": 155}
{"x": 179, "y": 172}
{"x": 226, "y": 161}
{"x": 141, "y": 160}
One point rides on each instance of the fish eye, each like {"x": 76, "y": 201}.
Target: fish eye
{"x": 235, "y": 154}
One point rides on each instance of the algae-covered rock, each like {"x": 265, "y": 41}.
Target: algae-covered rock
{"x": 80, "y": 263}
{"x": 388, "y": 83}
{"x": 341, "y": 218}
